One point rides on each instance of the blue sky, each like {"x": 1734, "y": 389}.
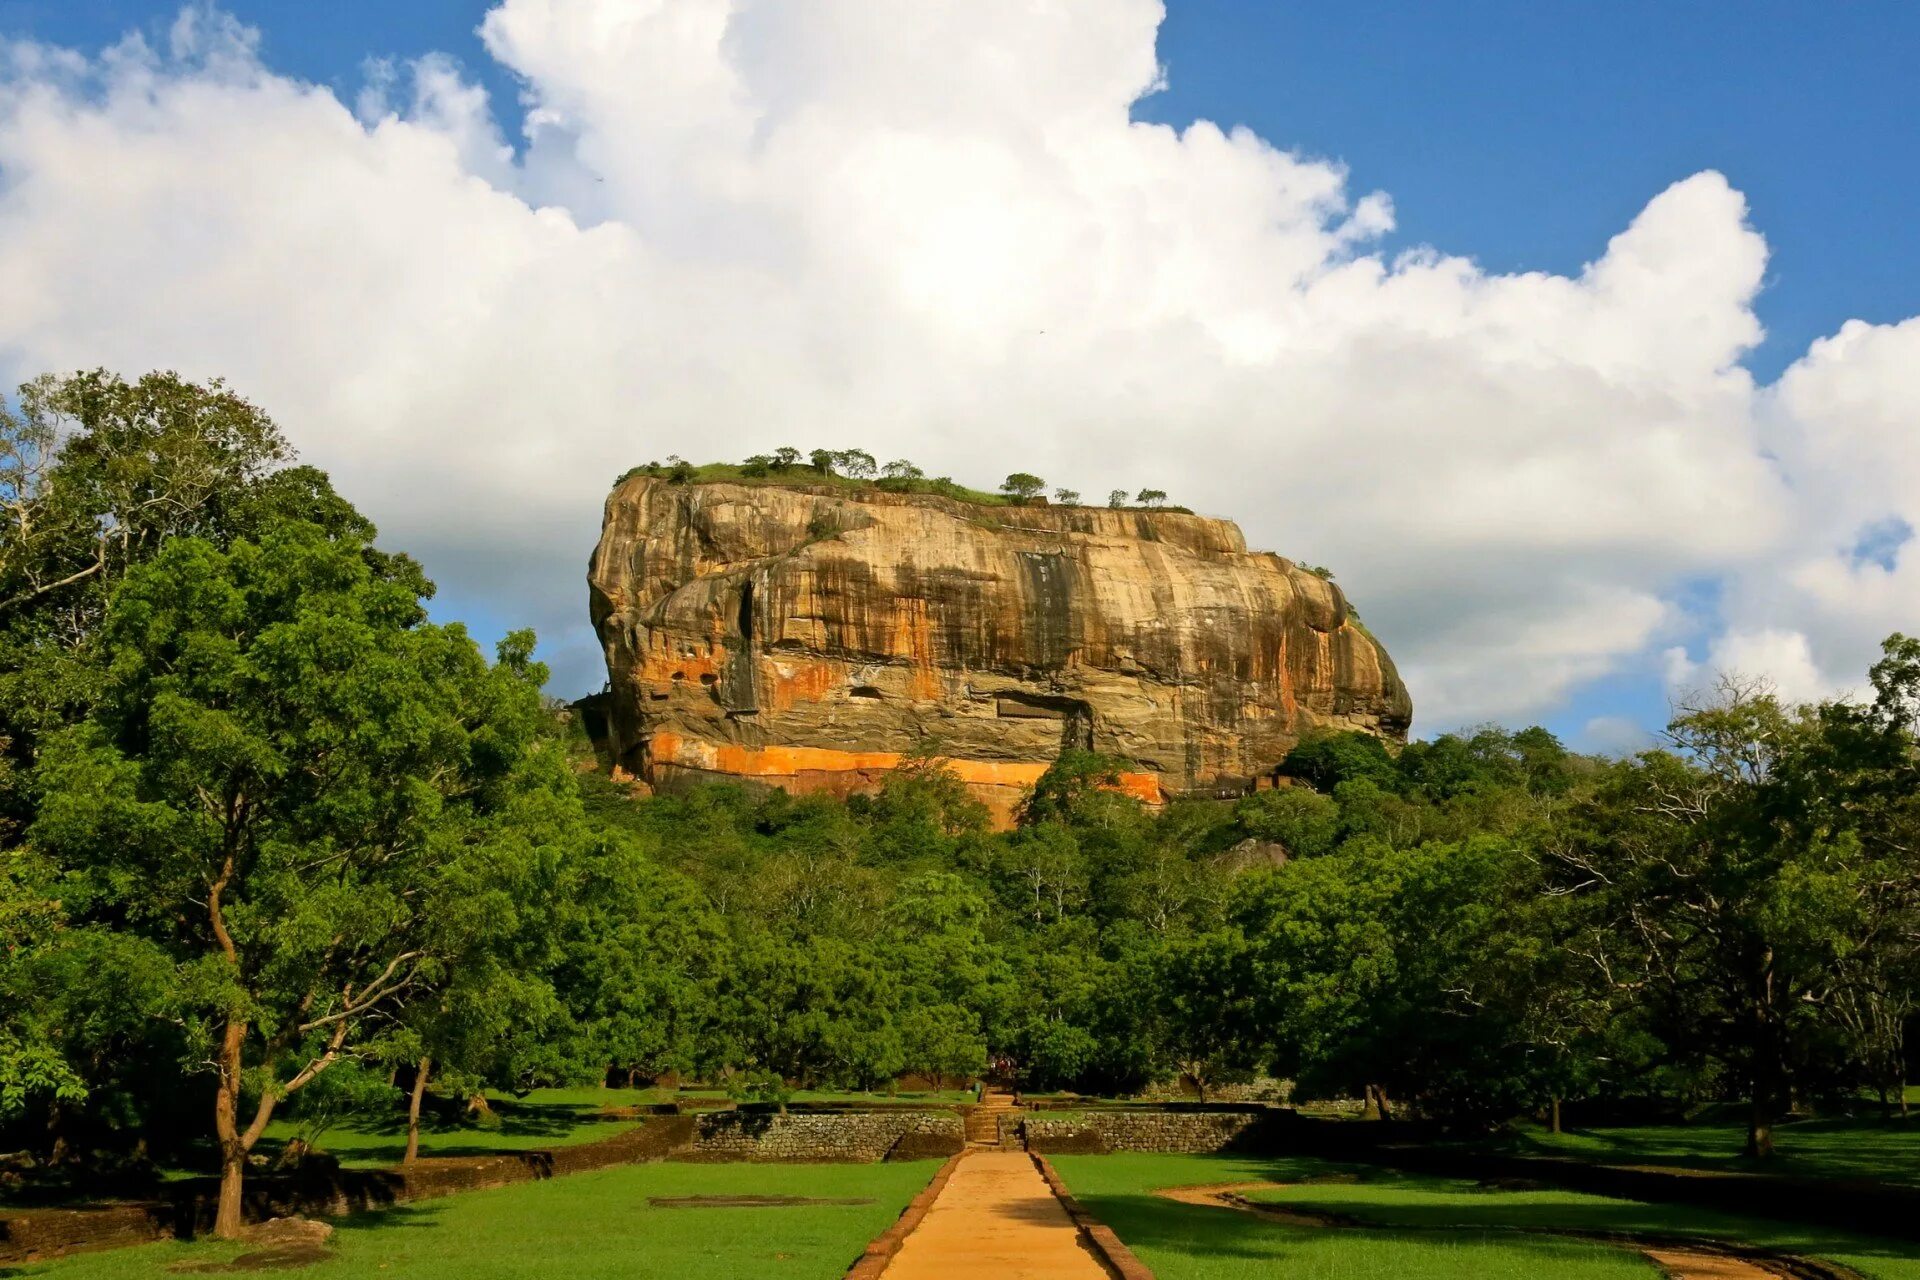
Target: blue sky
{"x": 1522, "y": 135}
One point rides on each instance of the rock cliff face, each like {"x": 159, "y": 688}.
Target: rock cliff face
{"x": 811, "y": 638}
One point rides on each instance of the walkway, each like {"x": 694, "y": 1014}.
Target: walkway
{"x": 995, "y": 1217}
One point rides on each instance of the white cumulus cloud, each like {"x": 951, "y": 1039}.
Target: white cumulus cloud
{"x": 935, "y": 231}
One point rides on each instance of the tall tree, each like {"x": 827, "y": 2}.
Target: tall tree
{"x": 283, "y": 753}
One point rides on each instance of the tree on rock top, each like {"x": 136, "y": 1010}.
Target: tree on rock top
{"x": 1021, "y": 488}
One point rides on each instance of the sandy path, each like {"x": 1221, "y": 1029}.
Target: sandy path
{"x": 1677, "y": 1261}
{"x": 995, "y": 1217}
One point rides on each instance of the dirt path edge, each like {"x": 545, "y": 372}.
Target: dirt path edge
{"x": 880, "y": 1250}
{"x": 1107, "y": 1247}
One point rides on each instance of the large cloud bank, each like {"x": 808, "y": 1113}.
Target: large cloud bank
{"x": 934, "y": 231}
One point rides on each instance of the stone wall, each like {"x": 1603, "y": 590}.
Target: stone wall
{"x": 851, "y": 1137}
{"x": 1169, "y": 1132}
{"x": 1264, "y": 1089}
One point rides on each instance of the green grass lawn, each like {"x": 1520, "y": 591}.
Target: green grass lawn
{"x": 583, "y": 1227}
{"x": 1430, "y": 1228}
{"x": 543, "y": 1118}
{"x": 1887, "y": 1149}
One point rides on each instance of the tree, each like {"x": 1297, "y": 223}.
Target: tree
{"x": 1074, "y": 781}
{"x": 283, "y": 753}
{"x": 1401, "y": 975}
{"x": 856, "y": 463}
{"x": 97, "y": 473}
{"x": 785, "y": 457}
{"x": 1151, "y": 497}
{"x": 1728, "y": 915}
{"x": 901, "y": 469}
{"x": 1117, "y": 499}
{"x": 1304, "y": 823}
{"x": 1205, "y": 1006}
{"x": 1325, "y": 760}
{"x": 824, "y": 461}
{"x": 1067, "y": 497}
{"x": 1022, "y": 488}
{"x": 758, "y": 465}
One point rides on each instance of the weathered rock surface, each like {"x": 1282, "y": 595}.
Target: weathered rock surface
{"x": 811, "y": 638}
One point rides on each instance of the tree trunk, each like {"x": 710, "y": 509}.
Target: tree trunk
{"x": 413, "y": 1110}
{"x": 228, "y": 1221}
{"x": 1768, "y": 1074}
{"x": 1383, "y": 1107}
{"x": 1760, "y": 1119}
{"x": 1556, "y": 1114}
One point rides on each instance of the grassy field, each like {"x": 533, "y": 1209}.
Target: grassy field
{"x": 584, "y": 1227}
{"x": 1429, "y": 1229}
{"x": 1843, "y": 1148}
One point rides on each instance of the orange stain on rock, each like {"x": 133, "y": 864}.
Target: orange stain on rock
{"x": 913, "y": 636}
{"x": 792, "y": 682}
{"x": 999, "y": 784}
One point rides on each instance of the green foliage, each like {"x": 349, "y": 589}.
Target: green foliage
{"x": 1151, "y": 497}
{"x": 1022, "y": 488}
{"x": 314, "y": 804}
{"x": 1304, "y": 823}
{"x": 1325, "y": 760}
{"x": 1077, "y": 786}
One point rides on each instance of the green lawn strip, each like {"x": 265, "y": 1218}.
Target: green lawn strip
{"x": 1191, "y": 1242}
{"x": 1883, "y": 1149}
{"x": 583, "y": 1227}
{"x": 1457, "y": 1212}
{"x": 1413, "y": 1201}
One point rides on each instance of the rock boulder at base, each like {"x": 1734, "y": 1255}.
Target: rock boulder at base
{"x": 812, "y": 637}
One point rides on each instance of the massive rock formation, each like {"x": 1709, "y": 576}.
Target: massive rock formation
{"x": 812, "y": 637}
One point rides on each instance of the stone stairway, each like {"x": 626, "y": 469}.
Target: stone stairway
{"x": 983, "y": 1120}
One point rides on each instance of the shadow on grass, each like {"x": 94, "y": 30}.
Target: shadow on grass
{"x": 1625, "y": 1222}
{"x": 1154, "y": 1226}
{"x": 1864, "y": 1148}
{"x": 520, "y": 1126}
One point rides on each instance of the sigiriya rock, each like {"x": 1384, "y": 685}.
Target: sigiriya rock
{"x": 811, "y": 637}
